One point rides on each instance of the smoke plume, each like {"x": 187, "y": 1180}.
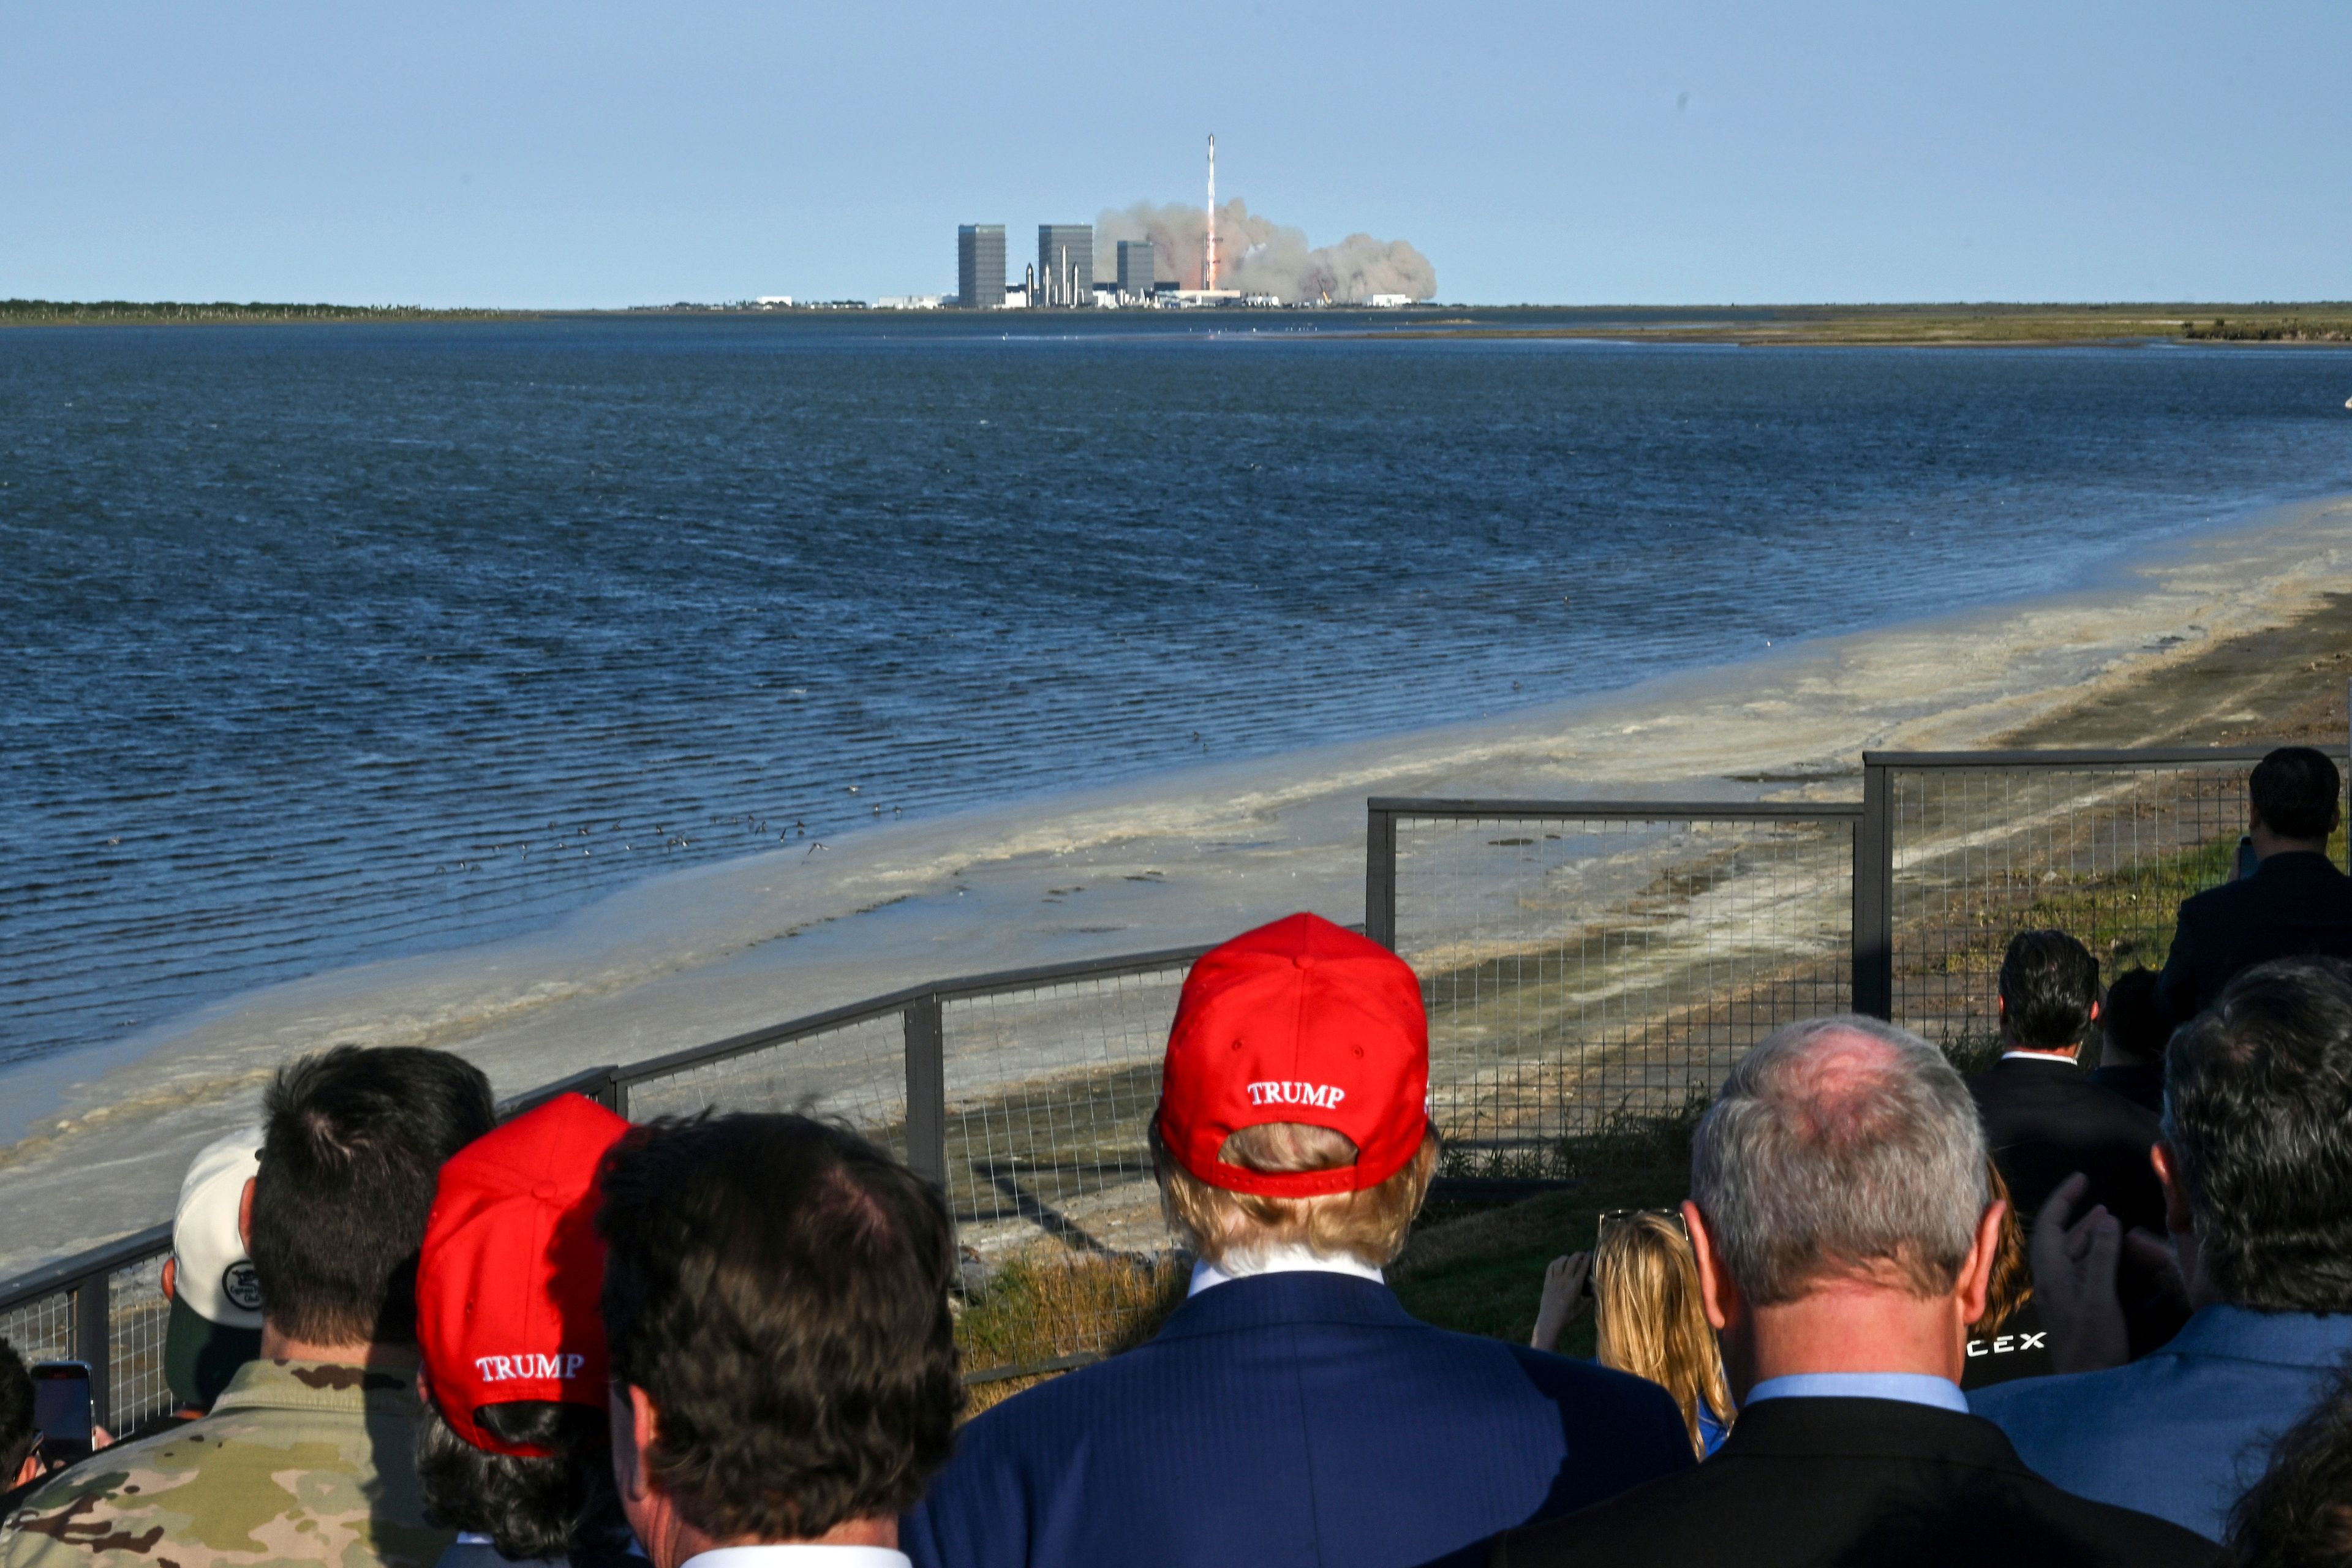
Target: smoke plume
{"x": 1258, "y": 256}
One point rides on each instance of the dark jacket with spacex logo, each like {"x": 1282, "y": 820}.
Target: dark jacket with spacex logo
{"x": 1291, "y": 1419}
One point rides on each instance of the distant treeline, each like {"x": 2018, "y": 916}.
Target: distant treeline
{"x": 28, "y": 312}
{"x": 2271, "y": 330}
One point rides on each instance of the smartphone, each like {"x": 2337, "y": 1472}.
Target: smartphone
{"x": 2246, "y": 861}
{"x": 61, "y": 1410}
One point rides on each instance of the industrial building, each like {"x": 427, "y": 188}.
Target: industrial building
{"x": 979, "y": 265}
{"x": 1134, "y": 265}
{"x": 1066, "y": 264}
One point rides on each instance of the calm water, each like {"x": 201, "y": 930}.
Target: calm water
{"x": 330, "y": 644}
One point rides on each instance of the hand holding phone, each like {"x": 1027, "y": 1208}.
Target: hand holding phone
{"x": 61, "y": 1410}
{"x": 1565, "y": 1287}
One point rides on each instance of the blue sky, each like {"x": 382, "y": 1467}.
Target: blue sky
{"x": 1672, "y": 150}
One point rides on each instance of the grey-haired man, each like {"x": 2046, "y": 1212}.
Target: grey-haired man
{"x": 1845, "y": 1232}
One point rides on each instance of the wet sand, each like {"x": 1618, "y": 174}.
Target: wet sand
{"x": 2240, "y": 633}
{"x": 2287, "y": 682}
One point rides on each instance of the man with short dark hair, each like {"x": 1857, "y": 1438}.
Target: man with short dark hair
{"x": 1844, "y": 1228}
{"x": 2296, "y": 904}
{"x": 1291, "y": 1412}
{"x": 2256, "y": 1164}
{"x": 2044, "y": 1118}
{"x": 308, "y": 1454}
{"x": 784, "y": 1363}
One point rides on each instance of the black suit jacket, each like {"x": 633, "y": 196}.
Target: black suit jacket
{"x": 2046, "y": 1119}
{"x": 2143, "y": 1086}
{"x": 2293, "y": 906}
{"x": 1828, "y": 1483}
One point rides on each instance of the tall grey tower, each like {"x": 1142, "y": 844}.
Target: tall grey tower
{"x": 1135, "y": 267}
{"x": 979, "y": 266}
{"x": 1065, "y": 263}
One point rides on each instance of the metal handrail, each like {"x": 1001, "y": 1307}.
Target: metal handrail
{"x": 1613, "y": 810}
{"x": 959, "y": 989}
{"x": 2081, "y": 757}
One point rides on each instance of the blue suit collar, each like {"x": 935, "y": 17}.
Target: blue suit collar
{"x": 2283, "y": 1339}
{"x": 1266, "y": 1301}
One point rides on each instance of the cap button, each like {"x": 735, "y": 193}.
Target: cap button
{"x": 547, "y": 1192}
{"x": 1304, "y": 960}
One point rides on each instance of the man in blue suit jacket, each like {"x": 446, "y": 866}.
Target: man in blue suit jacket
{"x": 2256, "y": 1166}
{"x": 1291, "y": 1412}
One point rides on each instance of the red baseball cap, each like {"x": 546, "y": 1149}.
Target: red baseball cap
{"x": 507, "y": 1282}
{"x": 1298, "y": 1021}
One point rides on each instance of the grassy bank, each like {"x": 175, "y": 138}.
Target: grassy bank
{"x": 1925, "y": 325}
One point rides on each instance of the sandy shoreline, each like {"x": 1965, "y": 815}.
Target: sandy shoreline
{"x": 2229, "y": 635}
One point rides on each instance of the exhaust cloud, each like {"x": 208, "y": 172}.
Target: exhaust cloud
{"x": 1258, "y": 256}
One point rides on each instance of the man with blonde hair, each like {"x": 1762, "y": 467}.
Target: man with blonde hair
{"x": 1846, "y": 1230}
{"x": 1291, "y": 1412}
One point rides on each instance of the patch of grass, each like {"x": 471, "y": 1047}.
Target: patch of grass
{"x": 1971, "y": 1051}
{"x": 1483, "y": 1273}
{"x": 1048, "y": 1303}
{"x": 1625, "y": 1139}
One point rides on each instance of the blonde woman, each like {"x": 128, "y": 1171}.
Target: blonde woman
{"x": 1647, "y": 1316}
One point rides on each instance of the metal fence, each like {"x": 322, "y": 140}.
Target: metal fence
{"x": 1584, "y": 962}
{"x": 1969, "y": 848}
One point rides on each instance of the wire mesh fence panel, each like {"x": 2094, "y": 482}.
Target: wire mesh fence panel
{"x": 856, "y": 1073}
{"x": 1583, "y": 972}
{"x": 43, "y": 1327}
{"x": 1048, "y": 1094}
{"x": 138, "y": 1313}
{"x": 2104, "y": 853}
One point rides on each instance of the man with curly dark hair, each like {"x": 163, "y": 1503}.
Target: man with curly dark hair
{"x": 2256, "y": 1166}
{"x": 784, "y": 1363}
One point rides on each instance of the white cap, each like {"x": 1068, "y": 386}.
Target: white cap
{"x": 211, "y": 1272}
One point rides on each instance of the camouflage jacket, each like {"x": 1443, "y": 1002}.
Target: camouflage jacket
{"x": 299, "y": 1461}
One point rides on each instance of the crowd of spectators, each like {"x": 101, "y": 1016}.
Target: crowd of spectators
{"x": 2039, "y": 1315}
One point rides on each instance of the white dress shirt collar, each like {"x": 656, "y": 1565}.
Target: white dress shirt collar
{"x": 2071, "y": 1059}
{"x": 1276, "y": 1260}
{"x": 807, "y": 1556}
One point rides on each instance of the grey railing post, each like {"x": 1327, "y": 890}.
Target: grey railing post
{"x": 927, "y": 1089}
{"x": 1874, "y": 896}
{"x": 1379, "y": 876}
{"x": 93, "y": 1340}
